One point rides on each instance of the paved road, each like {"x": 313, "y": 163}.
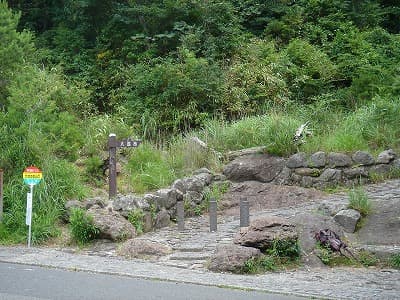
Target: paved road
{"x": 31, "y": 282}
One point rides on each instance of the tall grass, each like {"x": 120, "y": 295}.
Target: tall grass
{"x": 275, "y": 131}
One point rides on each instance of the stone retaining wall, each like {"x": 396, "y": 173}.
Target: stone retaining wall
{"x": 321, "y": 170}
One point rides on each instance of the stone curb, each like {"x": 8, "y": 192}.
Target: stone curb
{"x": 340, "y": 283}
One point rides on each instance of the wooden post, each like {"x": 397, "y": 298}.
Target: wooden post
{"x": 244, "y": 212}
{"x": 112, "y": 170}
{"x": 180, "y": 215}
{"x": 213, "y": 215}
{"x": 1, "y": 195}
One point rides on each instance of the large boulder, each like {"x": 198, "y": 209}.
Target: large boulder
{"x": 307, "y": 224}
{"x": 259, "y": 167}
{"x": 232, "y": 258}
{"x": 348, "y": 218}
{"x": 141, "y": 248}
{"x": 111, "y": 224}
{"x": 264, "y": 232}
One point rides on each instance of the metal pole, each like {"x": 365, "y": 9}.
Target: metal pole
{"x": 180, "y": 211}
{"x": 244, "y": 212}
{"x": 213, "y": 215}
{"x": 112, "y": 146}
{"x": 29, "y": 214}
{"x": 1, "y": 195}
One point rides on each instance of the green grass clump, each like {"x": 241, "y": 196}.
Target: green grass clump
{"x": 358, "y": 200}
{"x": 82, "y": 228}
{"x": 394, "y": 261}
{"x": 135, "y": 217}
{"x": 283, "y": 254}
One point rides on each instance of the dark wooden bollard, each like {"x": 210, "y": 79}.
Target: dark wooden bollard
{"x": 180, "y": 212}
{"x": 244, "y": 212}
{"x": 213, "y": 215}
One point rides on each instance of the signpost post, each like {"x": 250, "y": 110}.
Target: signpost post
{"x": 113, "y": 144}
{"x": 32, "y": 176}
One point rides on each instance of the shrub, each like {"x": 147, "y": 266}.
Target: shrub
{"x": 82, "y": 228}
{"x": 358, "y": 200}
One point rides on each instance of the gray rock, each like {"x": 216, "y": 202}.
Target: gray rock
{"x": 363, "y": 158}
{"x": 317, "y": 160}
{"x": 381, "y": 169}
{"x": 348, "y": 218}
{"x": 331, "y": 207}
{"x": 259, "y": 167}
{"x": 231, "y": 155}
{"x": 179, "y": 185}
{"x": 193, "y": 197}
{"x": 357, "y": 172}
{"x": 163, "y": 219}
{"x": 127, "y": 203}
{"x": 386, "y": 157}
{"x": 140, "y": 248}
{"x": 95, "y": 201}
{"x": 263, "y": 232}
{"x": 338, "y": 160}
{"x": 307, "y": 181}
{"x": 112, "y": 225}
{"x": 284, "y": 177}
{"x": 219, "y": 177}
{"x": 166, "y": 198}
{"x": 297, "y": 160}
{"x": 331, "y": 175}
{"x": 307, "y": 224}
{"x": 232, "y": 258}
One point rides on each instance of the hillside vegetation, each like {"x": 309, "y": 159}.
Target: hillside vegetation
{"x": 235, "y": 73}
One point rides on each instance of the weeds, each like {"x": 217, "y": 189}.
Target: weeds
{"x": 82, "y": 228}
{"x": 135, "y": 217}
{"x": 394, "y": 261}
{"x": 358, "y": 200}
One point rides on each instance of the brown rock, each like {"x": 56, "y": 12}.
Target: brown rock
{"x": 232, "y": 258}
{"x": 263, "y": 232}
{"x": 139, "y": 248}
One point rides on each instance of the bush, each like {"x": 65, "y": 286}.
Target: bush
{"x": 82, "y": 228}
{"x": 358, "y": 200}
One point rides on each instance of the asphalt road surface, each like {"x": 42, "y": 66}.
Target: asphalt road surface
{"x": 25, "y": 282}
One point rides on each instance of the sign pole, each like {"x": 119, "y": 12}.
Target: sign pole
{"x": 32, "y": 176}
{"x": 28, "y": 222}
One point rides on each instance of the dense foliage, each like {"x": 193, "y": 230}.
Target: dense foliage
{"x": 238, "y": 73}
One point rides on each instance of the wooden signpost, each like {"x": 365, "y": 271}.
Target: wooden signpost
{"x": 113, "y": 144}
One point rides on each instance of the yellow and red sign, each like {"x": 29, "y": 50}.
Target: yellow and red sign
{"x": 32, "y": 175}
